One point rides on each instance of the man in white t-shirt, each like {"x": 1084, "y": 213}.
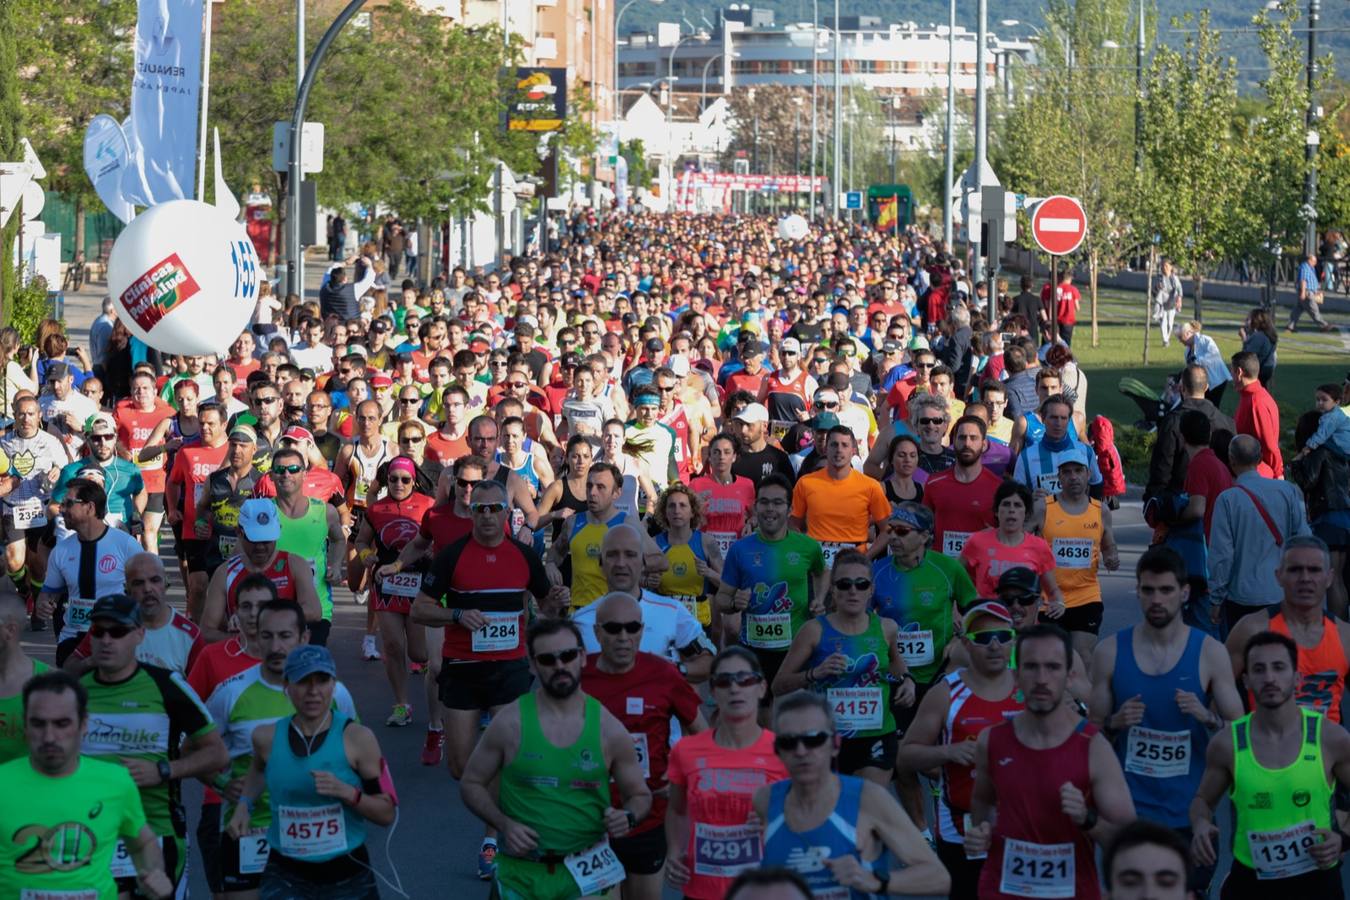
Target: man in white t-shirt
{"x": 64, "y": 409}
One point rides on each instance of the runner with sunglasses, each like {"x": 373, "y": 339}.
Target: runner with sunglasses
{"x": 711, "y": 836}
{"x": 390, "y": 524}
{"x": 851, "y": 657}
{"x": 1159, "y": 690}
{"x": 1055, "y": 782}
{"x": 122, "y": 480}
{"x": 312, "y": 530}
{"x": 541, "y": 776}
{"x": 644, "y": 692}
{"x": 837, "y": 831}
{"x": 480, "y": 590}
{"x": 949, "y": 721}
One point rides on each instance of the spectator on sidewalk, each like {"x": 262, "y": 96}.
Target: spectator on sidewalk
{"x": 100, "y": 334}
{"x": 1258, "y": 335}
{"x": 1257, "y": 414}
{"x": 1309, "y": 300}
{"x": 1167, "y": 468}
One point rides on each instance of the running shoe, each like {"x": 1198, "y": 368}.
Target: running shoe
{"x": 487, "y": 860}
{"x": 401, "y": 716}
{"x": 431, "y": 750}
{"x": 369, "y": 651}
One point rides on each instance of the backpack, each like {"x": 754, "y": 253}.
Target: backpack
{"x": 1102, "y": 435}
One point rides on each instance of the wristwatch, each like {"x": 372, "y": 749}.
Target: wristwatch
{"x": 165, "y": 773}
{"x": 632, "y": 819}
{"x": 1090, "y": 820}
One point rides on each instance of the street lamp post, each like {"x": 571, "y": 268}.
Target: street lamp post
{"x": 949, "y": 156}
{"x": 617, "y": 19}
{"x": 981, "y": 131}
{"x": 1310, "y": 179}
{"x": 1139, "y": 92}
{"x": 815, "y": 128}
{"x": 796, "y": 135}
{"x": 838, "y": 122}
{"x": 895, "y": 136}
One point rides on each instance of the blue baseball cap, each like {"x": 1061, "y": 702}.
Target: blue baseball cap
{"x": 307, "y": 659}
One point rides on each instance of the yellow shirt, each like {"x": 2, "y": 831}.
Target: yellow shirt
{"x": 1076, "y": 543}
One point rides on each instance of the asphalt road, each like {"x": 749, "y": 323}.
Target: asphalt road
{"x": 432, "y": 848}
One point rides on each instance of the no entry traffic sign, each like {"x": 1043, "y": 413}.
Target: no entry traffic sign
{"x": 1058, "y": 225}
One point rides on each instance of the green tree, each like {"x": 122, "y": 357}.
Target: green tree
{"x": 1196, "y": 180}
{"x": 639, "y": 172}
{"x": 11, "y": 130}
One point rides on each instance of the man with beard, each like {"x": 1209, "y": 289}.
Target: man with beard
{"x": 59, "y": 785}
{"x": 254, "y": 697}
{"x": 962, "y": 498}
{"x": 541, "y": 775}
{"x": 836, "y": 504}
{"x": 226, "y": 490}
{"x": 1056, "y": 784}
{"x": 122, "y": 481}
{"x": 1153, "y": 686}
{"x": 1280, "y": 764}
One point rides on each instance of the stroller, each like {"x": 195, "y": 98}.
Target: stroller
{"x": 1151, "y": 405}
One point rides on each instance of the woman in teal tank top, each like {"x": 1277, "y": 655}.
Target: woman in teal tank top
{"x": 850, "y": 656}
{"x": 324, "y": 780}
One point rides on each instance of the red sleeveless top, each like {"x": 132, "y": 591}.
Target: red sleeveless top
{"x": 968, "y": 714}
{"x": 1037, "y": 851}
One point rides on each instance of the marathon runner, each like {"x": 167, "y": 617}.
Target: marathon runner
{"x": 644, "y": 693}
{"x": 1036, "y": 466}
{"x": 31, "y": 459}
{"x": 137, "y": 418}
{"x": 989, "y": 553}
{"x": 728, "y": 498}
{"x": 186, "y": 488}
{"x": 259, "y": 530}
{"x": 1323, "y": 643}
{"x": 851, "y": 656}
{"x": 695, "y": 563}
{"x": 1055, "y": 782}
{"x": 1078, "y": 530}
{"x": 390, "y": 524}
{"x": 324, "y": 777}
{"x": 635, "y": 482}
{"x": 772, "y": 581}
{"x": 16, "y": 667}
{"x": 167, "y": 438}
{"x": 541, "y": 777}
{"x": 148, "y": 719}
{"x": 711, "y": 834}
{"x": 87, "y": 565}
{"x": 962, "y": 498}
{"x": 310, "y": 530}
{"x": 64, "y": 851}
{"x": 254, "y": 697}
{"x": 1145, "y": 859}
{"x": 1159, "y": 689}
{"x": 953, "y": 713}
{"x": 226, "y": 490}
{"x": 122, "y": 482}
{"x": 838, "y": 832}
{"x": 1280, "y": 764}
{"x": 836, "y": 504}
{"x": 171, "y": 641}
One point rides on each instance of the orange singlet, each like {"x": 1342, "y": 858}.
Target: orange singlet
{"x": 1322, "y": 669}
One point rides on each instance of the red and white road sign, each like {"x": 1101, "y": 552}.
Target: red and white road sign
{"x": 1058, "y": 225}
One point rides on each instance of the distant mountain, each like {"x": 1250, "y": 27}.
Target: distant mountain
{"x": 1244, "y": 47}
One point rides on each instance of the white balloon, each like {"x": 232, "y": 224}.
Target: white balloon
{"x": 184, "y": 277}
{"x": 793, "y": 227}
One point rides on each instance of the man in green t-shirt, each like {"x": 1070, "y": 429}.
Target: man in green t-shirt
{"x": 63, "y": 835}
{"x": 16, "y": 667}
{"x": 151, "y": 721}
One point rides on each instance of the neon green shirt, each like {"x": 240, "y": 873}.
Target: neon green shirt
{"x": 12, "y": 742}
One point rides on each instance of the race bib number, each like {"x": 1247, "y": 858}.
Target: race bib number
{"x": 501, "y": 632}
{"x": 915, "y": 647}
{"x": 310, "y": 832}
{"x": 725, "y": 851}
{"x": 253, "y": 852}
{"x": 401, "y": 584}
{"x": 77, "y": 613}
{"x": 122, "y": 865}
{"x": 1073, "y": 553}
{"x": 595, "y": 869}
{"x": 953, "y": 542}
{"x": 644, "y": 758}
{"x": 1048, "y": 483}
{"x": 856, "y": 709}
{"x": 724, "y": 540}
{"x": 831, "y": 549}
{"x": 1037, "y": 870}
{"x": 30, "y": 513}
{"x": 1158, "y": 754}
{"x": 769, "y": 631}
{"x": 229, "y": 545}
{"x": 690, "y": 602}
{"x": 1284, "y": 853}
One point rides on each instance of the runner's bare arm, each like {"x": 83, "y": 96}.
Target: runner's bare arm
{"x": 624, "y": 768}
{"x": 922, "y": 872}
{"x": 712, "y": 569}
{"x": 1110, "y": 794}
{"x": 1101, "y": 702}
{"x": 306, "y": 594}
{"x": 203, "y": 755}
{"x": 677, "y": 834}
{"x": 213, "y": 621}
{"x": 363, "y": 754}
{"x": 411, "y": 553}
{"x": 476, "y": 788}
{"x": 794, "y": 674}
{"x": 149, "y": 861}
{"x": 920, "y": 750}
{"x": 255, "y": 782}
{"x": 1213, "y": 785}
{"x": 1216, "y": 671}
{"x": 337, "y": 546}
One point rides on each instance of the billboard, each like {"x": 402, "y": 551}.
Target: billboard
{"x": 539, "y": 101}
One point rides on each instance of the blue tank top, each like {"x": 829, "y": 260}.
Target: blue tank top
{"x": 526, "y": 471}
{"x": 1164, "y": 756}
{"x": 306, "y": 826}
{"x": 804, "y": 852}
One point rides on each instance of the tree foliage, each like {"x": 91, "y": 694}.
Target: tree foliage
{"x": 11, "y": 129}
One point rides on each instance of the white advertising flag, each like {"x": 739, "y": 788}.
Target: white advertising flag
{"x": 165, "y": 89}
{"x": 105, "y": 162}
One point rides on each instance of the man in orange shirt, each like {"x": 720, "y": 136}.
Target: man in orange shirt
{"x": 835, "y": 504}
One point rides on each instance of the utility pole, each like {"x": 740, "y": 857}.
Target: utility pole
{"x": 296, "y": 275}
{"x": 949, "y": 157}
{"x": 1139, "y": 93}
{"x": 1310, "y": 179}
{"x": 836, "y": 186}
{"x": 981, "y": 132}
{"x": 815, "y": 128}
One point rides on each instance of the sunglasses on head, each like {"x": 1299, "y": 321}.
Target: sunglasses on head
{"x": 786, "y": 743}
{"x": 985, "y": 638}
{"x": 292, "y": 469}
{"x": 112, "y": 631}
{"x": 490, "y": 508}
{"x": 852, "y": 584}
{"x": 740, "y": 679}
{"x": 549, "y": 660}
{"x": 617, "y": 627}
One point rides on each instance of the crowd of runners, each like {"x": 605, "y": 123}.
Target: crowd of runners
{"x": 708, "y": 560}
